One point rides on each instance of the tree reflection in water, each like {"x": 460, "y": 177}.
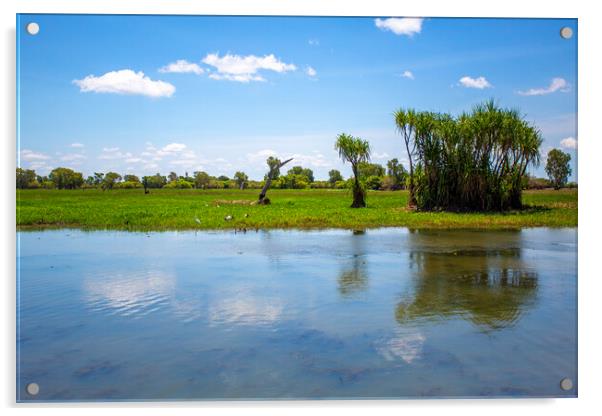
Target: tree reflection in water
{"x": 481, "y": 278}
{"x": 353, "y": 279}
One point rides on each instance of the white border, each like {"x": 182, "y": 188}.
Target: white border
{"x": 590, "y": 139}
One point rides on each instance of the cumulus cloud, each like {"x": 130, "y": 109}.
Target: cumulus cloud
{"x": 31, "y": 156}
{"x": 408, "y": 74}
{"x": 79, "y": 145}
{"x": 244, "y": 68}
{"x": 478, "y": 83}
{"x": 569, "y": 143}
{"x": 310, "y": 71}
{"x": 113, "y": 153}
{"x": 557, "y": 84}
{"x": 173, "y": 148}
{"x": 407, "y": 26}
{"x": 182, "y": 66}
{"x": 126, "y": 82}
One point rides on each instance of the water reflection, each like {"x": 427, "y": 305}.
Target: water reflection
{"x": 353, "y": 278}
{"x": 241, "y": 309}
{"x": 405, "y": 344}
{"x": 129, "y": 294}
{"x": 485, "y": 282}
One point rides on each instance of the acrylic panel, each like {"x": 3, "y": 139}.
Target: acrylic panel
{"x": 248, "y": 207}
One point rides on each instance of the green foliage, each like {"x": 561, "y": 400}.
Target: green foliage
{"x": 397, "y": 173}
{"x": 241, "y": 179}
{"x": 293, "y": 181}
{"x": 26, "y": 178}
{"x": 131, "y": 178}
{"x": 299, "y": 170}
{"x": 179, "y": 184}
{"x": 373, "y": 182}
{"x": 273, "y": 165}
{"x": 110, "y": 180}
{"x": 201, "y": 180}
{"x": 355, "y": 151}
{"x": 341, "y": 185}
{"x": 334, "y": 176}
{"x": 320, "y": 185}
{"x": 557, "y": 167}
{"x": 531, "y": 182}
{"x": 65, "y": 178}
{"x": 370, "y": 169}
{"x": 472, "y": 162}
{"x": 154, "y": 182}
{"x": 127, "y": 185}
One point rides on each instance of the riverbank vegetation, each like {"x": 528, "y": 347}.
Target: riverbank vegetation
{"x": 473, "y": 162}
{"x": 179, "y": 209}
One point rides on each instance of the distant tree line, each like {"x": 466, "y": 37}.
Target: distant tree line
{"x": 476, "y": 161}
{"x": 376, "y": 176}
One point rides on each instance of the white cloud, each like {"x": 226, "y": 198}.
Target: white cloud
{"x": 173, "y": 148}
{"x": 314, "y": 42}
{"x": 182, "y": 66}
{"x": 408, "y": 74}
{"x": 310, "y": 71}
{"x": 244, "y": 68}
{"x": 478, "y": 83}
{"x": 316, "y": 159}
{"x": 77, "y": 145}
{"x": 557, "y": 84}
{"x": 70, "y": 157}
{"x": 377, "y": 155}
{"x": 30, "y": 156}
{"x": 569, "y": 143}
{"x": 261, "y": 155}
{"x": 125, "y": 81}
{"x": 407, "y": 26}
{"x": 113, "y": 153}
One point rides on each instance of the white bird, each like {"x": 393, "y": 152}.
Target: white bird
{"x": 228, "y": 217}
{"x": 197, "y": 220}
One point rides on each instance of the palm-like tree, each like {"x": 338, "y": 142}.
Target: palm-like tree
{"x": 355, "y": 151}
{"x": 405, "y": 120}
{"x": 475, "y": 161}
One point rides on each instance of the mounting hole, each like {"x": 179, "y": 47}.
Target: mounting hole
{"x": 566, "y": 384}
{"x": 566, "y": 32}
{"x": 32, "y": 389}
{"x": 32, "y": 28}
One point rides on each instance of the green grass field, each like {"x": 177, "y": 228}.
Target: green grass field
{"x": 164, "y": 209}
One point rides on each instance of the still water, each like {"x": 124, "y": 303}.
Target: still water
{"x": 291, "y": 314}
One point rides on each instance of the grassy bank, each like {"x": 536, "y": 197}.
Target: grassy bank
{"x": 165, "y": 209}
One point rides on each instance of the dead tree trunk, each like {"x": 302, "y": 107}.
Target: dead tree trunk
{"x": 263, "y": 200}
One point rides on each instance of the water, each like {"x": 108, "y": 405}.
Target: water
{"x": 290, "y": 314}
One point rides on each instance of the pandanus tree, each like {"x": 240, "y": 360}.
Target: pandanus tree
{"x": 274, "y": 164}
{"x": 405, "y": 120}
{"x": 475, "y": 161}
{"x": 355, "y": 151}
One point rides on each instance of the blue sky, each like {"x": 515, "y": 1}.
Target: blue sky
{"x": 147, "y": 94}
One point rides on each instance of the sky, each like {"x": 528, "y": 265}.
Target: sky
{"x": 148, "y": 94}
